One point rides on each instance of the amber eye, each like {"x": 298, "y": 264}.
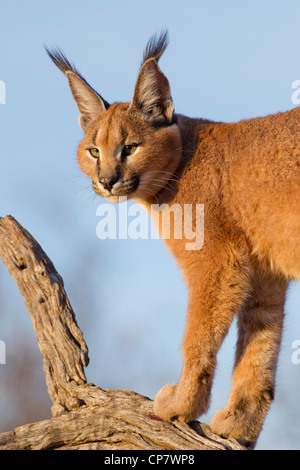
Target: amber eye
{"x": 129, "y": 149}
{"x": 95, "y": 153}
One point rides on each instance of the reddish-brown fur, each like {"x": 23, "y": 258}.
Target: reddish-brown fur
{"x": 247, "y": 175}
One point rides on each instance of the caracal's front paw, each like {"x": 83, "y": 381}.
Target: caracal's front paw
{"x": 165, "y": 403}
{"x": 236, "y": 426}
{"x": 171, "y": 405}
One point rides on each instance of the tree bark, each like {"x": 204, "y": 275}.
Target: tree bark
{"x": 84, "y": 416}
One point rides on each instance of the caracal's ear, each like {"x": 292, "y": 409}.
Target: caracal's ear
{"x": 152, "y": 96}
{"x": 88, "y": 101}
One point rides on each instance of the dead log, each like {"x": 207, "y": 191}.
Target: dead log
{"x": 84, "y": 416}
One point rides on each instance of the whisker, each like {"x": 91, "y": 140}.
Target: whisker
{"x": 87, "y": 189}
{"x": 165, "y": 183}
{"x": 152, "y": 194}
{"x": 162, "y": 181}
{"x": 173, "y": 194}
{"x": 173, "y": 177}
{"x": 162, "y": 171}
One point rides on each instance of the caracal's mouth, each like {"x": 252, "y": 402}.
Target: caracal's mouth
{"x": 119, "y": 189}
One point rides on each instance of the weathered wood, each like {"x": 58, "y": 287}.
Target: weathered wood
{"x": 60, "y": 340}
{"x": 122, "y": 421}
{"x": 84, "y": 416}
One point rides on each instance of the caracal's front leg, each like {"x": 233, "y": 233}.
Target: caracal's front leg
{"x": 218, "y": 286}
{"x": 260, "y": 329}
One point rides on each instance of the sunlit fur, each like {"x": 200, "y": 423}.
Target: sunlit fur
{"x": 247, "y": 175}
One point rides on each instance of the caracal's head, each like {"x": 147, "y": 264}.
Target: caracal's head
{"x": 129, "y": 149}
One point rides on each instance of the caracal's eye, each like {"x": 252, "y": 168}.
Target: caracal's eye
{"x": 129, "y": 149}
{"x": 95, "y": 153}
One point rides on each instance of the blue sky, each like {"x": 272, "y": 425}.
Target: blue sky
{"x": 226, "y": 61}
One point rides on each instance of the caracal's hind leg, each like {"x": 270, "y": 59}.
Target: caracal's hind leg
{"x": 259, "y": 336}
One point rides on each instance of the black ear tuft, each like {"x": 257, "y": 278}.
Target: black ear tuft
{"x": 60, "y": 60}
{"x": 156, "y": 46}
